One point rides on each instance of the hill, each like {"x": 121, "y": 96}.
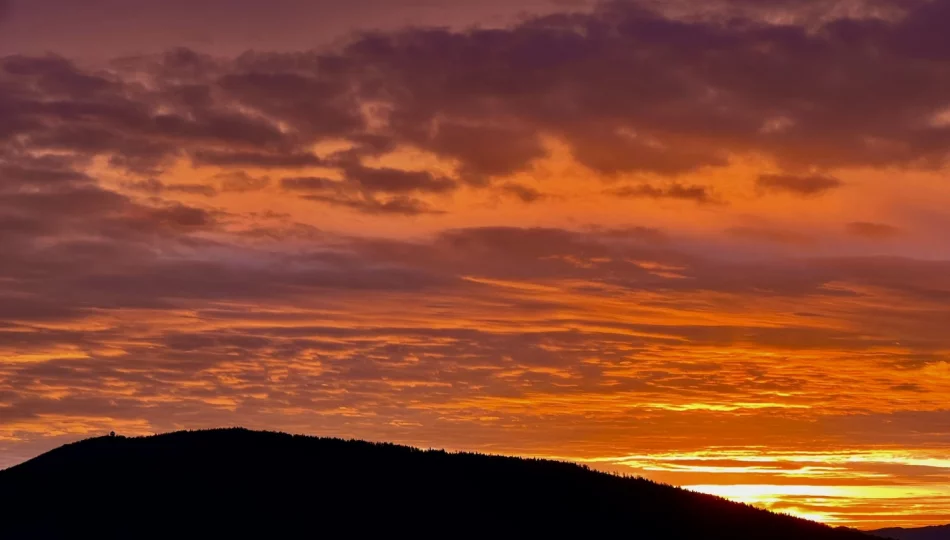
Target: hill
{"x": 235, "y": 482}
{"x": 937, "y": 532}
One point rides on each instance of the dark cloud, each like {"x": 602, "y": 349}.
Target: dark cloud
{"x": 388, "y": 180}
{"x": 314, "y": 105}
{"x": 649, "y": 235}
{"x": 373, "y": 190}
{"x": 89, "y": 227}
{"x": 370, "y": 204}
{"x": 872, "y": 231}
{"x": 522, "y": 192}
{"x": 797, "y": 185}
{"x": 40, "y": 175}
{"x": 309, "y": 183}
{"x": 483, "y": 150}
{"x": 626, "y": 90}
{"x": 771, "y": 236}
{"x": 696, "y": 193}
{"x": 225, "y": 128}
{"x": 908, "y": 388}
{"x": 157, "y": 187}
{"x": 254, "y": 159}
{"x": 124, "y": 266}
{"x": 577, "y": 77}
{"x": 179, "y": 216}
{"x": 55, "y": 76}
{"x": 240, "y": 181}
{"x": 353, "y": 195}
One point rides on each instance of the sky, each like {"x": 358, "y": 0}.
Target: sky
{"x": 701, "y": 242}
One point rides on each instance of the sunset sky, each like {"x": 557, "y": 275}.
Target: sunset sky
{"x": 702, "y": 241}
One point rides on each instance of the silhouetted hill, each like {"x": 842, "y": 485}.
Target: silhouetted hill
{"x": 937, "y": 532}
{"x": 226, "y": 483}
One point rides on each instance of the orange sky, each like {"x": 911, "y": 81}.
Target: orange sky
{"x": 704, "y": 244}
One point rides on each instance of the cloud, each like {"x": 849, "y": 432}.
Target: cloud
{"x": 388, "y": 180}
{"x": 771, "y": 236}
{"x": 41, "y": 173}
{"x": 370, "y": 190}
{"x": 312, "y": 103}
{"x": 525, "y": 194}
{"x": 576, "y": 79}
{"x": 254, "y": 159}
{"x": 872, "y": 231}
{"x": 797, "y": 185}
{"x": 308, "y": 183}
{"x": 182, "y": 217}
{"x": 687, "y": 118}
{"x": 696, "y": 193}
{"x": 350, "y": 195}
{"x": 241, "y": 182}
{"x": 157, "y": 187}
{"x": 368, "y": 204}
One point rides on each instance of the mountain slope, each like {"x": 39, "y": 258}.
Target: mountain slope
{"x": 937, "y": 532}
{"x": 234, "y": 482}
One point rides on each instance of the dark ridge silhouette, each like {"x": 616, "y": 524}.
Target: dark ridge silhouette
{"x": 240, "y": 483}
{"x": 936, "y": 532}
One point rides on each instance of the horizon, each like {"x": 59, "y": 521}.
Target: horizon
{"x": 699, "y": 241}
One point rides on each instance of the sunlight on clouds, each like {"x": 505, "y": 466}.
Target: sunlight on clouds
{"x": 865, "y": 487}
{"x": 782, "y": 498}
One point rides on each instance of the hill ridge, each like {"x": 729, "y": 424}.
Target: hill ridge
{"x": 234, "y": 480}
{"x": 930, "y": 532}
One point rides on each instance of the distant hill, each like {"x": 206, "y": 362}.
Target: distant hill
{"x": 938, "y": 532}
{"x": 227, "y": 483}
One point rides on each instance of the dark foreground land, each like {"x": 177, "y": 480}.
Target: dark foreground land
{"x": 239, "y": 483}
{"x": 937, "y": 532}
